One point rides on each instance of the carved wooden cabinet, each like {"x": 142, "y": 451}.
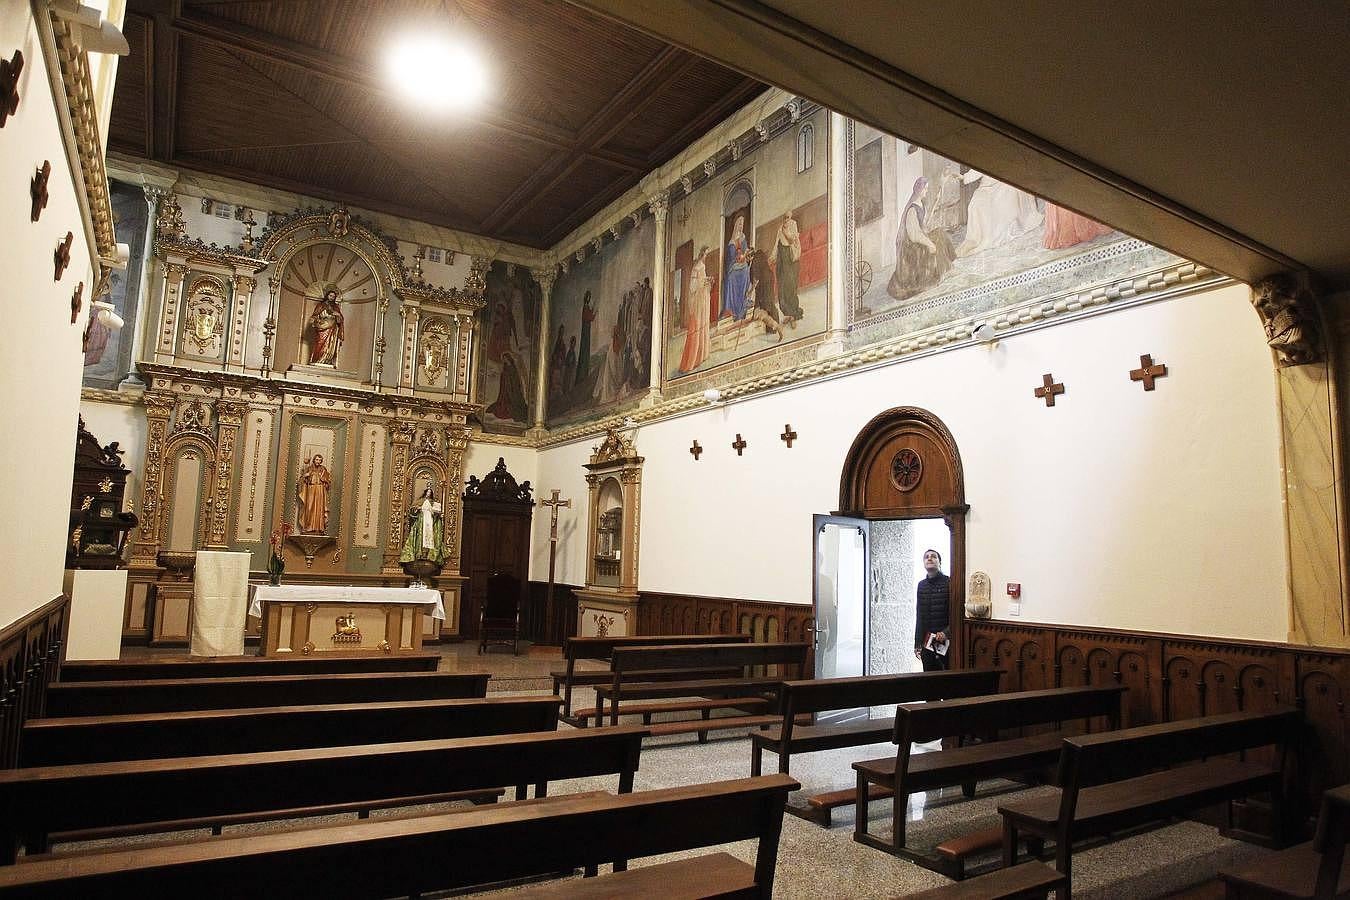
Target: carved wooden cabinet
{"x": 98, "y": 526}
{"x": 496, "y": 539}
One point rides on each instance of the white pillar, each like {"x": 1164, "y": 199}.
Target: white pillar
{"x": 659, "y": 205}
{"x": 547, "y": 277}
{"x": 841, "y": 211}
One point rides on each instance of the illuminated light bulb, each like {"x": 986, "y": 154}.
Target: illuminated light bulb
{"x": 437, "y": 72}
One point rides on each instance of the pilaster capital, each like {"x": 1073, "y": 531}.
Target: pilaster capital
{"x": 1288, "y": 306}
{"x": 659, "y": 205}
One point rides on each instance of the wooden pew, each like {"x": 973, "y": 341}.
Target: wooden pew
{"x": 745, "y": 692}
{"x": 87, "y": 739}
{"x": 601, "y": 648}
{"x": 239, "y": 666}
{"x": 797, "y": 698}
{"x": 410, "y": 856}
{"x": 85, "y": 801}
{"x": 1315, "y": 870}
{"x": 106, "y": 698}
{"x": 907, "y": 773}
{"x": 1108, "y": 782}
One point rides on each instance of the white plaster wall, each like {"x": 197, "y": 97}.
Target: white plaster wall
{"x": 521, "y": 462}
{"x": 40, "y": 348}
{"x": 1116, "y": 508}
{"x": 124, "y": 423}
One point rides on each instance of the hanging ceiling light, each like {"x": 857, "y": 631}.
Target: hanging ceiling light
{"x": 438, "y": 72}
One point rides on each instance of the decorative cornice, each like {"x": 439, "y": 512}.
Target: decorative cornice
{"x": 196, "y": 249}
{"x": 98, "y": 395}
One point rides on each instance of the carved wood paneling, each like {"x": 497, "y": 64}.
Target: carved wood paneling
{"x": 31, "y": 651}
{"x": 660, "y": 613}
{"x": 1172, "y": 677}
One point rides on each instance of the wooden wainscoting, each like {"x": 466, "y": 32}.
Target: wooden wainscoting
{"x": 31, "y": 651}
{"x": 660, "y": 613}
{"x": 535, "y": 624}
{"x": 1173, "y": 676}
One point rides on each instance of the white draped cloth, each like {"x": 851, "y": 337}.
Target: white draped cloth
{"x": 219, "y": 596}
{"x": 997, "y": 213}
{"x": 331, "y": 593}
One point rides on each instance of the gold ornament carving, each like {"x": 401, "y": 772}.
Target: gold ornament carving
{"x": 205, "y": 320}
{"x": 433, "y": 349}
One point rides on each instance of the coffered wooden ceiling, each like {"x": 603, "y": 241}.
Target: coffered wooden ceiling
{"x": 292, "y": 94}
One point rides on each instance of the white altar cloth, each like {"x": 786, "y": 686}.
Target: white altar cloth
{"x": 218, "y": 594}
{"x": 332, "y": 593}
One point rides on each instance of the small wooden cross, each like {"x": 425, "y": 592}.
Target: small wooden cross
{"x": 788, "y": 435}
{"x": 739, "y": 444}
{"x": 696, "y": 451}
{"x": 1148, "y": 370}
{"x": 1049, "y": 389}
{"x": 76, "y": 303}
{"x": 38, "y": 189}
{"x": 9, "y": 86}
{"x": 61, "y": 258}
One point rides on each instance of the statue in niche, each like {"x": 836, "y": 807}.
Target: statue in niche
{"x": 312, "y": 492}
{"x": 426, "y": 531}
{"x": 326, "y": 328}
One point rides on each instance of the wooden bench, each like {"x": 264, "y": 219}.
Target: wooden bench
{"x": 1027, "y": 881}
{"x": 745, "y": 693}
{"x": 907, "y": 772}
{"x": 1108, "y": 781}
{"x": 84, "y": 801}
{"x": 1315, "y": 870}
{"x": 238, "y": 666}
{"x": 601, "y": 648}
{"x": 88, "y": 739}
{"x": 411, "y": 856}
{"x": 105, "y": 698}
{"x": 797, "y": 698}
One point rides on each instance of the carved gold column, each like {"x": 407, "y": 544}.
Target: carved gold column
{"x": 270, "y": 325}
{"x": 659, "y": 205}
{"x": 174, "y": 274}
{"x": 243, "y": 298}
{"x": 410, "y": 315}
{"x": 1292, "y": 315}
{"x": 145, "y": 546}
{"x": 460, "y": 389}
{"x": 457, "y": 444}
{"x": 377, "y": 363}
{"x": 229, "y": 418}
{"x": 401, "y": 437}
{"x": 546, "y": 277}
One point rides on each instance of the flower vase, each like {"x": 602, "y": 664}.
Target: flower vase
{"x": 275, "y": 567}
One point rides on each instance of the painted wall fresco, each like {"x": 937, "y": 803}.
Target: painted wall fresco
{"x": 935, "y": 241}
{"x": 506, "y": 362}
{"x": 749, "y": 254}
{"x": 107, "y": 353}
{"x": 600, "y": 329}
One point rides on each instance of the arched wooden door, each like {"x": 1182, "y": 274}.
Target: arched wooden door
{"x": 904, "y": 464}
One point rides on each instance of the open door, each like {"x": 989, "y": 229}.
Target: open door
{"x": 840, "y": 595}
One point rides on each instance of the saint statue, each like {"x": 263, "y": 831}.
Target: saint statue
{"x": 312, "y": 493}
{"x": 325, "y": 324}
{"x": 426, "y": 531}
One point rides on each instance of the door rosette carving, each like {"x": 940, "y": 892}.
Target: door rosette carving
{"x": 906, "y": 470}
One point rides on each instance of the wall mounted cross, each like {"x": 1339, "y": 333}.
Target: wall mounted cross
{"x": 788, "y": 435}
{"x": 1049, "y": 389}
{"x": 739, "y": 444}
{"x": 9, "y": 85}
{"x": 696, "y": 451}
{"x": 61, "y": 258}
{"x": 76, "y": 303}
{"x": 38, "y": 190}
{"x": 1148, "y": 371}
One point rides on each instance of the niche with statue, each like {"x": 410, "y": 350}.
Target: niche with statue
{"x": 608, "y": 603}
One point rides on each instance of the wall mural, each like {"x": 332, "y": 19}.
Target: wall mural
{"x": 935, "y": 241}
{"x": 600, "y": 322}
{"x": 107, "y": 353}
{"x": 749, "y": 253}
{"x": 506, "y": 365}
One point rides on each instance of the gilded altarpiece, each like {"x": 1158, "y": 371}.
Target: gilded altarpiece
{"x": 607, "y": 605}
{"x": 326, "y": 400}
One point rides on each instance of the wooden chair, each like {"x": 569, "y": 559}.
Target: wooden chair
{"x": 1315, "y": 870}
{"x": 499, "y": 621}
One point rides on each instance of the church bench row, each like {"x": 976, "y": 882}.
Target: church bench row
{"x": 1315, "y": 870}
{"x": 729, "y": 692}
{"x": 1108, "y": 782}
{"x": 100, "y": 698}
{"x": 454, "y": 850}
{"x": 810, "y": 697}
{"x": 87, "y": 739}
{"x": 240, "y": 666}
{"x": 81, "y": 802}
{"x": 602, "y": 648}
{"x": 906, "y": 773}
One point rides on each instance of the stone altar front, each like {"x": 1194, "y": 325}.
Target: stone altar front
{"x": 325, "y": 620}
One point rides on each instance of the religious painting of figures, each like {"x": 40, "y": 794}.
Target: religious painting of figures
{"x": 506, "y": 361}
{"x": 935, "y": 241}
{"x": 600, "y": 329}
{"x": 749, "y": 252}
{"x": 107, "y": 353}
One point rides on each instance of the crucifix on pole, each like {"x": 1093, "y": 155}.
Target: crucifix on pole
{"x": 554, "y": 502}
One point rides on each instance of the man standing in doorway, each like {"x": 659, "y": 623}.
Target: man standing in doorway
{"x": 931, "y": 613}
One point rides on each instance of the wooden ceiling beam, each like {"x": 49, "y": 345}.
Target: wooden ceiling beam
{"x": 162, "y": 110}
{"x": 355, "y": 74}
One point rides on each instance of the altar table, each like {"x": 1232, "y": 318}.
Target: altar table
{"x": 335, "y": 620}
